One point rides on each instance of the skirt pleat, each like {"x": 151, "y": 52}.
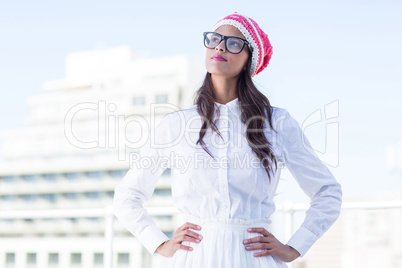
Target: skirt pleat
{"x": 222, "y": 246}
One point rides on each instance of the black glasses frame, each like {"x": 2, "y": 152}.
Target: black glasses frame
{"x": 224, "y": 37}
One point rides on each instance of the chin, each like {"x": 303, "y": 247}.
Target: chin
{"x": 224, "y": 74}
{"x": 216, "y": 71}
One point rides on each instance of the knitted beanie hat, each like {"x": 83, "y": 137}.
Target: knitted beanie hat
{"x": 262, "y": 49}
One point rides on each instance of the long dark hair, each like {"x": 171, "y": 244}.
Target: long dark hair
{"x": 254, "y": 107}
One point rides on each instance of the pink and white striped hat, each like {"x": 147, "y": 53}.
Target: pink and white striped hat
{"x": 262, "y": 49}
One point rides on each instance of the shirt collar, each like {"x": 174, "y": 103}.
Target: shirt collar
{"x": 233, "y": 105}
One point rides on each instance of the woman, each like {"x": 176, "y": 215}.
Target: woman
{"x": 234, "y": 142}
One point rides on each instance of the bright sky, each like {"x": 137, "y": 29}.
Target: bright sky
{"x": 323, "y": 51}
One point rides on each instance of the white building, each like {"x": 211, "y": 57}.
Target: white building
{"x": 369, "y": 236}
{"x": 77, "y": 148}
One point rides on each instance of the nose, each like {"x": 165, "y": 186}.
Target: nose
{"x": 221, "y": 46}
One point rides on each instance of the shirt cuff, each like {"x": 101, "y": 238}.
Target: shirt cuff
{"x": 302, "y": 240}
{"x": 151, "y": 238}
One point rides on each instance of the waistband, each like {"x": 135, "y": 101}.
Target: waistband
{"x": 229, "y": 223}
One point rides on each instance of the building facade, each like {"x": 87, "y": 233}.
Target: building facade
{"x": 78, "y": 145}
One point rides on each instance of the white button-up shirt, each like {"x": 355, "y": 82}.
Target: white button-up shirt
{"x": 233, "y": 185}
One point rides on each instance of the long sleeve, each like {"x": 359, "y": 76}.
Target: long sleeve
{"x": 315, "y": 180}
{"x": 138, "y": 185}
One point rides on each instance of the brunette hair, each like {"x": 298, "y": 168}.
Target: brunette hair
{"x": 254, "y": 107}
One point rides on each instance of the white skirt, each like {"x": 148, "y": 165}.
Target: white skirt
{"x": 222, "y": 246}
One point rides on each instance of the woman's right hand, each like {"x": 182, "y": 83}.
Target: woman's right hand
{"x": 183, "y": 233}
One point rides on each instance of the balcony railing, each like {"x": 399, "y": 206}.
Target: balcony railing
{"x": 287, "y": 208}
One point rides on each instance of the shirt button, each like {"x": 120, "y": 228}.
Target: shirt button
{"x": 225, "y": 206}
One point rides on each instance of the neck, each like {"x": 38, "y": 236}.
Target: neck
{"x": 224, "y": 88}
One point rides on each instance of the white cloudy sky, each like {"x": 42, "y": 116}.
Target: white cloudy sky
{"x": 324, "y": 51}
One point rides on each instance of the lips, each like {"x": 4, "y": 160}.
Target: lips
{"x": 218, "y": 58}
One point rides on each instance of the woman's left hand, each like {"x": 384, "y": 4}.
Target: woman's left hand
{"x": 272, "y": 245}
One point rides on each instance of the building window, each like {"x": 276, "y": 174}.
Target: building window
{"x": 31, "y": 260}
{"x": 163, "y": 217}
{"x": 110, "y": 194}
{"x": 29, "y": 197}
{"x": 71, "y": 196}
{"x": 167, "y": 172}
{"x": 9, "y": 198}
{"x": 28, "y": 221}
{"x": 139, "y": 100}
{"x": 92, "y": 195}
{"x": 30, "y": 177}
{"x": 161, "y": 98}
{"x": 163, "y": 192}
{"x": 118, "y": 174}
{"x": 9, "y": 179}
{"x": 94, "y": 174}
{"x": 10, "y": 259}
{"x": 73, "y": 220}
{"x": 98, "y": 260}
{"x": 49, "y": 197}
{"x": 168, "y": 234}
{"x": 123, "y": 259}
{"x": 76, "y": 260}
{"x": 72, "y": 175}
{"x": 53, "y": 259}
{"x": 50, "y": 177}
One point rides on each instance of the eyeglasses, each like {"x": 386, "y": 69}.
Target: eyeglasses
{"x": 233, "y": 44}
